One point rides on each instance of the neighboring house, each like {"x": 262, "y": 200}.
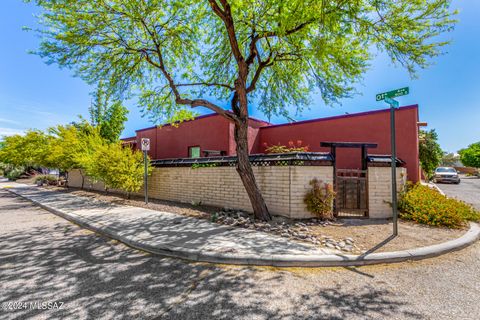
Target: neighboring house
{"x": 212, "y": 135}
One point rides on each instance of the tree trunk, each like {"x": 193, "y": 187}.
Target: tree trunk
{"x": 83, "y": 179}
{"x": 244, "y": 169}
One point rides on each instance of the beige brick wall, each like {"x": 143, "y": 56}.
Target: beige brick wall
{"x": 380, "y": 190}
{"x": 283, "y": 187}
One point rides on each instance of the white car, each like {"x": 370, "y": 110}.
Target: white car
{"x": 446, "y": 174}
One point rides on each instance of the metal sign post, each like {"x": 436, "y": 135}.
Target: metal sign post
{"x": 145, "y": 148}
{"x": 387, "y": 96}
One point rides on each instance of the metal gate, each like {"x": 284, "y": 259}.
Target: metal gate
{"x": 352, "y": 193}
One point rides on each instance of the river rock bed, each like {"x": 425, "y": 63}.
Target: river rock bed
{"x": 287, "y": 228}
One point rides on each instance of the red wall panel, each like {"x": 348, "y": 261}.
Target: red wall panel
{"x": 361, "y": 127}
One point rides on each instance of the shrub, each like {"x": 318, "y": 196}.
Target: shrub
{"x": 14, "y": 173}
{"x": 292, "y": 147}
{"x": 48, "y": 179}
{"x": 319, "y": 199}
{"x": 426, "y": 205}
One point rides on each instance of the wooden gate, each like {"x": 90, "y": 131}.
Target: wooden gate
{"x": 352, "y": 193}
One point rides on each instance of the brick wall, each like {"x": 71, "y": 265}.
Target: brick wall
{"x": 283, "y": 187}
{"x": 380, "y": 190}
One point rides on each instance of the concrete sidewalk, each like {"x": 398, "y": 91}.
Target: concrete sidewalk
{"x": 200, "y": 240}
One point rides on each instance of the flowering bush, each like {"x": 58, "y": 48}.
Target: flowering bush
{"x": 319, "y": 199}
{"x": 292, "y": 147}
{"x": 426, "y": 205}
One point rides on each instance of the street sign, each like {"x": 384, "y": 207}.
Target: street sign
{"x": 392, "y": 102}
{"x": 145, "y": 144}
{"x": 388, "y": 97}
{"x": 393, "y": 93}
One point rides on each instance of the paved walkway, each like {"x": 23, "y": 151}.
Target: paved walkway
{"x": 200, "y": 240}
{"x": 168, "y": 230}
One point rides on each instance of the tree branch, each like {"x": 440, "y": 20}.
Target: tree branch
{"x": 205, "y": 84}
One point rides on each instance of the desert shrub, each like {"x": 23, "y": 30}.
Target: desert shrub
{"x": 319, "y": 199}
{"x": 14, "y": 173}
{"x": 425, "y": 205}
{"x": 292, "y": 147}
{"x": 47, "y": 178}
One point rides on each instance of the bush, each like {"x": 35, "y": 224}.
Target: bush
{"x": 48, "y": 179}
{"x": 14, "y": 173}
{"x": 292, "y": 147}
{"x": 426, "y": 205}
{"x": 319, "y": 199}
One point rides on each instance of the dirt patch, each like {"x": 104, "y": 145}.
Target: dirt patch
{"x": 375, "y": 235}
{"x": 356, "y": 235}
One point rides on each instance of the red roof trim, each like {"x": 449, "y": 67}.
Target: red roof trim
{"x": 366, "y": 113}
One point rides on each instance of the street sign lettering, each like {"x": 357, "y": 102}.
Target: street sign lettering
{"x": 393, "y": 93}
{"x": 145, "y": 144}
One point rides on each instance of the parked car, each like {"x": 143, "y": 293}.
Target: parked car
{"x": 446, "y": 174}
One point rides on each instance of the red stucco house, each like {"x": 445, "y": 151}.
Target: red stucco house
{"x": 212, "y": 132}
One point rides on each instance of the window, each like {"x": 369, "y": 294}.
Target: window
{"x": 194, "y": 152}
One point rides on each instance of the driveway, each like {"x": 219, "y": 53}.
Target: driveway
{"x": 44, "y": 258}
{"x": 468, "y": 190}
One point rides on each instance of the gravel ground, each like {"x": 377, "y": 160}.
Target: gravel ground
{"x": 468, "y": 190}
{"x": 367, "y": 235}
{"x": 45, "y": 258}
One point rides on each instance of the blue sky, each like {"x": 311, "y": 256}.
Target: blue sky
{"x": 35, "y": 95}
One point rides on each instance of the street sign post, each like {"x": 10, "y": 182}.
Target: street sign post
{"x": 388, "y": 97}
{"x": 145, "y": 143}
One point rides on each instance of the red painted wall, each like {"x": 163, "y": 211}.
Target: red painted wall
{"x": 210, "y": 132}
{"x": 213, "y": 132}
{"x": 360, "y": 127}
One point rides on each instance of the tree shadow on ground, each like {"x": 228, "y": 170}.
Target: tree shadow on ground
{"x": 97, "y": 278}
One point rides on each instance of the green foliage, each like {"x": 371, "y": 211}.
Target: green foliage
{"x": 292, "y": 147}
{"x": 79, "y": 146}
{"x": 177, "y": 52}
{"x": 204, "y": 165}
{"x": 48, "y": 179}
{"x": 470, "y": 156}
{"x": 449, "y": 159}
{"x": 26, "y": 150}
{"x": 430, "y": 153}
{"x": 12, "y": 172}
{"x": 118, "y": 167}
{"x": 319, "y": 199}
{"x": 107, "y": 114}
{"x": 427, "y": 206}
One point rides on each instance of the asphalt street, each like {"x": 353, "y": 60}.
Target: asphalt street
{"x": 468, "y": 190}
{"x": 44, "y": 258}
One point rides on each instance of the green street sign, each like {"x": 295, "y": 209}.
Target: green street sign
{"x": 393, "y": 93}
{"x": 394, "y": 103}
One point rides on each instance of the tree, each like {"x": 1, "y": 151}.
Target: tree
{"x": 449, "y": 159}
{"x": 178, "y": 54}
{"x": 430, "y": 153}
{"x": 108, "y": 114}
{"x": 29, "y": 150}
{"x": 118, "y": 167}
{"x": 470, "y": 156}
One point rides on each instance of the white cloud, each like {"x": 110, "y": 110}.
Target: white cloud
{"x": 9, "y": 121}
{"x": 10, "y": 132}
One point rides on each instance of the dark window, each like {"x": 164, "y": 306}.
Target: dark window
{"x": 194, "y": 152}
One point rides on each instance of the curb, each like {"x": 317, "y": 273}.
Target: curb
{"x": 297, "y": 260}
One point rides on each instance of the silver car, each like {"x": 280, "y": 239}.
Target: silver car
{"x": 446, "y": 174}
